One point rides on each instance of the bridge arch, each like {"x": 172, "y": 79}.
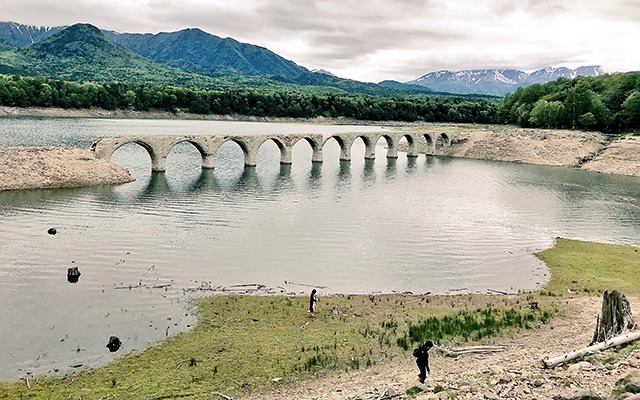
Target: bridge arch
{"x": 285, "y": 150}
{"x": 345, "y": 146}
{"x": 392, "y": 145}
{"x": 443, "y": 140}
{"x": 249, "y": 157}
{"x": 207, "y": 159}
{"x": 157, "y": 159}
{"x": 430, "y": 148}
{"x": 369, "y": 146}
{"x": 316, "y": 147}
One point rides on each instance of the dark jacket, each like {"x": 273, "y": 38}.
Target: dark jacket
{"x": 422, "y": 356}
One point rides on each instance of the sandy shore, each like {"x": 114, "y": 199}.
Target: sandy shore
{"x": 590, "y": 151}
{"x": 56, "y": 167}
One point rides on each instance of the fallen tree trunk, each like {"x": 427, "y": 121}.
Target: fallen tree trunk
{"x": 616, "y": 341}
{"x": 455, "y": 352}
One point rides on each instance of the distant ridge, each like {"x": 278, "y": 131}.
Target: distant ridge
{"x": 197, "y": 51}
{"x": 23, "y": 35}
{"x": 497, "y": 82}
{"x": 82, "y": 53}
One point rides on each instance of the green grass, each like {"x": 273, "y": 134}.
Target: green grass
{"x": 586, "y": 267}
{"x": 241, "y": 343}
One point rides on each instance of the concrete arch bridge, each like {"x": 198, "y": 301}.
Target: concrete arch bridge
{"x": 159, "y": 147}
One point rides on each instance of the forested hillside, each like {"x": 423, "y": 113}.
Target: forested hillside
{"x": 608, "y": 103}
{"x": 28, "y": 92}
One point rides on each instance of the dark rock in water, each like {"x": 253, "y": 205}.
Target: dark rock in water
{"x": 73, "y": 275}
{"x": 114, "y": 344}
{"x": 52, "y": 231}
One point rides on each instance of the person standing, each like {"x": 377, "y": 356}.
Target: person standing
{"x": 313, "y": 302}
{"x": 422, "y": 359}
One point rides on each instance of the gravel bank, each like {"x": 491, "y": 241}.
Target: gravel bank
{"x": 56, "y": 167}
{"x": 590, "y": 151}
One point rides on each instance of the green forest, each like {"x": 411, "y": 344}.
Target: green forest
{"x": 21, "y": 91}
{"x": 607, "y": 103}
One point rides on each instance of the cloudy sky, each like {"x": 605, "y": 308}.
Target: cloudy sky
{"x": 373, "y": 40}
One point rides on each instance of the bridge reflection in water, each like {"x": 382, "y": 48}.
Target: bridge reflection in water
{"x": 207, "y": 180}
{"x": 159, "y": 147}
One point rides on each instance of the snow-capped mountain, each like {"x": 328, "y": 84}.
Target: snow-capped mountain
{"x": 497, "y": 82}
{"x": 24, "y": 35}
{"x": 322, "y": 71}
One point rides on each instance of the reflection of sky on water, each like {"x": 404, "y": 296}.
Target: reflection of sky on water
{"x": 418, "y": 224}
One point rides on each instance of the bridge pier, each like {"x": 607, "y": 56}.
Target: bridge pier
{"x": 286, "y": 155}
{"x": 345, "y": 153}
{"x": 370, "y": 151}
{"x": 158, "y": 164}
{"x": 208, "y": 161}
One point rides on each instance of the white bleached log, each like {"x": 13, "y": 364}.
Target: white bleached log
{"x": 615, "y": 341}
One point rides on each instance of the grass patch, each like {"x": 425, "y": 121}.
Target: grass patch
{"x": 241, "y": 343}
{"x": 586, "y": 267}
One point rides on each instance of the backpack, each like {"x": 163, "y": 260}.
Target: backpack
{"x": 416, "y": 352}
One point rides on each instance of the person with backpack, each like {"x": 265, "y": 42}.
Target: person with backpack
{"x": 422, "y": 359}
{"x": 313, "y": 301}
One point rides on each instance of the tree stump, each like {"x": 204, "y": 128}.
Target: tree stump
{"x": 615, "y": 317}
{"x": 73, "y": 275}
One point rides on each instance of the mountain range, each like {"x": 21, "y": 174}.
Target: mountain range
{"x": 497, "y": 82}
{"x": 192, "y": 57}
{"x": 189, "y": 57}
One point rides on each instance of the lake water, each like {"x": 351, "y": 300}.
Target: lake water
{"x": 429, "y": 224}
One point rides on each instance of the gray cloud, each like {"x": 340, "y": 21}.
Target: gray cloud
{"x": 381, "y": 39}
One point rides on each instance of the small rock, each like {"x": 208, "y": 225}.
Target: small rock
{"x": 388, "y": 394}
{"x": 440, "y": 396}
{"x": 491, "y": 396}
{"x": 580, "y": 366}
{"x": 465, "y": 389}
{"x": 114, "y": 344}
{"x": 52, "y": 231}
{"x": 580, "y": 396}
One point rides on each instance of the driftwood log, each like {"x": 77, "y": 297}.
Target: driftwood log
{"x": 456, "y": 352}
{"x": 615, "y": 317}
{"x": 616, "y": 341}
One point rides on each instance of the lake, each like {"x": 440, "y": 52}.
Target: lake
{"x": 426, "y": 224}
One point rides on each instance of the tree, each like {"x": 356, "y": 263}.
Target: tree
{"x": 129, "y": 99}
{"x": 587, "y": 121}
{"x": 631, "y": 110}
{"x": 545, "y": 114}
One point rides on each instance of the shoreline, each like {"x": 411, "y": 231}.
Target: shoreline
{"x": 70, "y": 167}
